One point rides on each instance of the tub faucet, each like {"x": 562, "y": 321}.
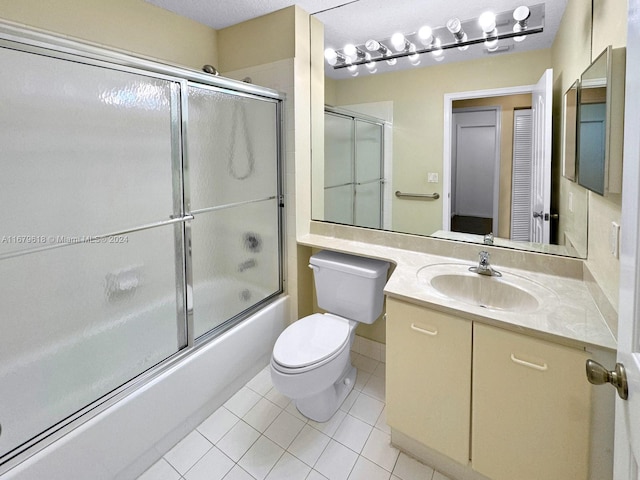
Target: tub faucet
{"x": 484, "y": 268}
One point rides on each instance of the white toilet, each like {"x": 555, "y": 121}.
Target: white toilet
{"x": 311, "y": 360}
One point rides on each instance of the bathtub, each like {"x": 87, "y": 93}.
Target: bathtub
{"x": 125, "y": 439}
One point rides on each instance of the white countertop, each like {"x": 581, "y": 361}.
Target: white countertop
{"x": 568, "y": 315}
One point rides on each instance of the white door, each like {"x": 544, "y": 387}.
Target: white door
{"x": 627, "y": 445}
{"x": 541, "y": 103}
{"x": 475, "y": 164}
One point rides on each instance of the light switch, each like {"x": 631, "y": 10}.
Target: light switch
{"x": 614, "y": 240}
{"x": 432, "y": 177}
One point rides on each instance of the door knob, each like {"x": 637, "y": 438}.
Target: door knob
{"x": 538, "y": 215}
{"x": 597, "y": 375}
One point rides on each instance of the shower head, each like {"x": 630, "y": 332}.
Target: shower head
{"x": 210, "y": 69}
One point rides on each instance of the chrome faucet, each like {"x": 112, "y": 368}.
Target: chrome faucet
{"x": 484, "y": 268}
{"x": 488, "y": 238}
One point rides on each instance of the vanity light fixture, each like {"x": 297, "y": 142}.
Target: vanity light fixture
{"x": 490, "y": 29}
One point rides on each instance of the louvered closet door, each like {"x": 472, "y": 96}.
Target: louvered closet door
{"x": 521, "y": 181}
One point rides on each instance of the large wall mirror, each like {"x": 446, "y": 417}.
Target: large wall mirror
{"x": 417, "y": 181}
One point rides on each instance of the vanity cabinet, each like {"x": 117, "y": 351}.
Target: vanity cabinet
{"x": 428, "y": 377}
{"x": 530, "y": 409}
{"x": 502, "y": 404}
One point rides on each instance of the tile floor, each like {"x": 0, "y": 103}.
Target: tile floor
{"x": 258, "y": 434}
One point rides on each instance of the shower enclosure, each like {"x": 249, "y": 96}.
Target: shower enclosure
{"x": 353, "y": 169}
{"x": 141, "y": 217}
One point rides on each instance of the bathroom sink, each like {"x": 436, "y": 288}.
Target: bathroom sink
{"x": 509, "y": 292}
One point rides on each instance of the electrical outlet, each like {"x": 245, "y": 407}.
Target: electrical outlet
{"x": 614, "y": 240}
{"x": 432, "y": 177}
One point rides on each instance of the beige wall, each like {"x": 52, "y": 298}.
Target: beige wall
{"x": 418, "y": 120}
{"x": 569, "y": 61}
{"x": 131, "y": 25}
{"x": 508, "y": 104}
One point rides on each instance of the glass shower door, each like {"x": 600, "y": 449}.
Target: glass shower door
{"x": 88, "y": 236}
{"x": 368, "y": 170}
{"x": 232, "y": 149}
{"x": 338, "y": 169}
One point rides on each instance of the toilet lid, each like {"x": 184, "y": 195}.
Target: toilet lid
{"x": 311, "y": 340}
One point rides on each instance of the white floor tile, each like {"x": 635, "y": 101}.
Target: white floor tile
{"x": 353, "y": 433}
{"x": 366, "y": 470}
{"x": 213, "y": 466}
{"x": 336, "y": 462}
{"x": 361, "y": 379}
{"x": 380, "y": 370}
{"x": 218, "y": 424}
{"x": 262, "y": 414}
{"x": 261, "y": 458}
{"x": 349, "y": 401}
{"x": 313, "y": 475}
{"x": 284, "y": 429}
{"x": 238, "y": 440}
{"x": 289, "y": 468}
{"x": 276, "y": 397}
{"x": 439, "y": 476}
{"x": 363, "y": 363}
{"x": 367, "y": 409}
{"x": 261, "y": 383}
{"x": 381, "y": 423}
{"x": 375, "y": 387}
{"x": 330, "y": 426}
{"x": 161, "y": 470}
{"x": 237, "y": 473}
{"x": 409, "y": 469}
{"x": 378, "y": 449}
{"x": 187, "y": 452}
{"x": 309, "y": 445}
{"x": 242, "y": 401}
{"x": 291, "y": 409}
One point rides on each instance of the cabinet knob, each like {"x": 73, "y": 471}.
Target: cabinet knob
{"x": 598, "y": 375}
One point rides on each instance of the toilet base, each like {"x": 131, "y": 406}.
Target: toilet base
{"x": 321, "y": 406}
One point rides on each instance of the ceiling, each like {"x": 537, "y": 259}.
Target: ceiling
{"x": 355, "y": 21}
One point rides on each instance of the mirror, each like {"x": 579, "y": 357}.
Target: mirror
{"x": 592, "y": 124}
{"x": 601, "y": 123}
{"x": 410, "y": 104}
{"x": 569, "y": 131}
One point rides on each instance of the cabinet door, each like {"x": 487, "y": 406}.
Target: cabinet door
{"x": 429, "y": 377}
{"x": 531, "y": 408}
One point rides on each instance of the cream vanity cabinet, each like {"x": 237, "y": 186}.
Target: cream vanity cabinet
{"x": 527, "y": 400}
{"x": 428, "y": 377}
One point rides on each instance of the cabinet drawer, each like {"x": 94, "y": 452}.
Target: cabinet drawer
{"x": 429, "y": 377}
{"x": 531, "y": 408}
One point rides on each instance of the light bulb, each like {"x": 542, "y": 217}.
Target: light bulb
{"x": 414, "y": 58}
{"x": 425, "y": 34}
{"x": 454, "y": 26}
{"x": 371, "y": 67}
{"x": 487, "y": 22}
{"x": 521, "y": 14}
{"x": 491, "y": 45}
{"x": 464, "y": 39}
{"x": 392, "y": 61}
{"x": 372, "y": 45}
{"x": 398, "y": 41}
{"x": 517, "y": 29}
{"x": 331, "y": 56}
{"x": 437, "y": 53}
{"x": 350, "y": 50}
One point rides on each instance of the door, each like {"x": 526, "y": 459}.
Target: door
{"x": 541, "y": 103}
{"x": 627, "y": 444}
{"x": 475, "y": 171}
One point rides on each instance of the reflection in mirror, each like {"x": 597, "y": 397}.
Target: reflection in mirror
{"x": 414, "y": 145}
{"x": 592, "y": 126}
{"x": 569, "y": 131}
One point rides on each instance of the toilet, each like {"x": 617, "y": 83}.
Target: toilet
{"x": 311, "y": 361}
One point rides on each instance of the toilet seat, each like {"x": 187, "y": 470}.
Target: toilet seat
{"x": 311, "y": 342}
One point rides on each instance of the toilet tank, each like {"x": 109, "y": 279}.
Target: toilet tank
{"x": 349, "y": 286}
